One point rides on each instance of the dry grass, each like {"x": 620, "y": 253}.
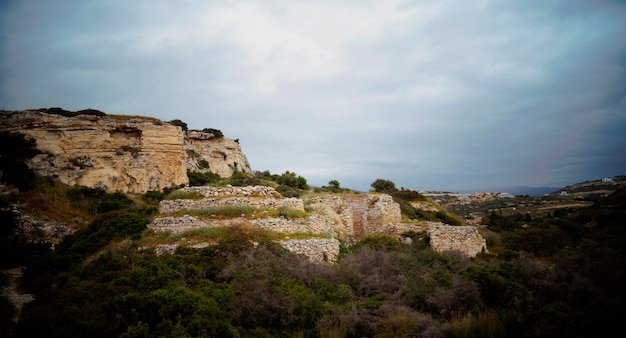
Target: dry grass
{"x": 131, "y": 117}
{"x": 49, "y": 199}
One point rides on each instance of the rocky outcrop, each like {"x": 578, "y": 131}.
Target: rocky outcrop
{"x": 207, "y": 153}
{"x": 128, "y": 154}
{"x": 30, "y": 227}
{"x": 123, "y": 154}
{"x": 464, "y": 239}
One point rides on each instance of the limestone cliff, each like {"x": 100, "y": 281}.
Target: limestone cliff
{"x": 219, "y": 155}
{"x": 129, "y": 154}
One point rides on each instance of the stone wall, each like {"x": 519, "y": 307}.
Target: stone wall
{"x": 171, "y": 206}
{"x": 316, "y": 250}
{"x": 464, "y": 239}
{"x": 176, "y": 224}
{"x": 247, "y": 191}
{"x": 314, "y": 224}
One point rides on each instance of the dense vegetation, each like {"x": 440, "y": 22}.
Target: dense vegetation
{"x": 67, "y": 113}
{"x": 557, "y": 276}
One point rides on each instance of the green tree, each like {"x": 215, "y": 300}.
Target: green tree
{"x": 291, "y": 179}
{"x": 381, "y": 185}
{"x": 333, "y": 183}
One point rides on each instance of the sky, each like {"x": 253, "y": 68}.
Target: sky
{"x": 433, "y": 95}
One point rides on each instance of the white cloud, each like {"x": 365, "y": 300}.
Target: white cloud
{"x": 431, "y": 94}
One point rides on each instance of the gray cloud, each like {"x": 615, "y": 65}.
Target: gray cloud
{"x": 430, "y": 94}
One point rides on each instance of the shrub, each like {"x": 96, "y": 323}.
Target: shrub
{"x": 192, "y": 153}
{"x": 240, "y": 179}
{"x": 376, "y": 242}
{"x": 408, "y": 195}
{"x": 381, "y": 185}
{"x": 179, "y": 123}
{"x": 97, "y": 200}
{"x": 461, "y": 298}
{"x": 153, "y": 196}
{"x": 134, "y": 151}
{"x": 291, "y": 179}
{"x": 204, "y": 164}
{"x": 199, "y": 179}
{"x": 218, "y": 133}
{"x": 333, "y": 184}
{"x": 287, "y": 191}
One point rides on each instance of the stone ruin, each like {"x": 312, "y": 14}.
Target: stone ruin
{"x": 464, "y": 239}
{"x": 349, "y": 217}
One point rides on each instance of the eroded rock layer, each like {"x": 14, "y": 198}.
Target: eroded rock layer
{"x": 120, "y": 153}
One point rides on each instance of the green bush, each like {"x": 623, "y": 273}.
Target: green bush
{"x": 97, "y": 200}
{"x": 179, "y": 123}
{"x": 408, "y": 195}
{"x": 376, "y": 243}
{"x": 239, "y": 179}
{"x": 287, "y": 191}
{"x": 200, "y": 179}
{"x": 218, "y": 133}
{"x": 291, "y": 179}
{"x": 203, "y": 164}
{"x": 381, "y": 185}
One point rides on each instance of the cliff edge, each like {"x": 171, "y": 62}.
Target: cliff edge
{"x": 129, "y": 154}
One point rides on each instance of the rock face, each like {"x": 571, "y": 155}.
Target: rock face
{"x": 120, "y": 153}
{"x": 464, "y": 239}
{"x": 360, "y": 215}
{"x": 207, "y": 153}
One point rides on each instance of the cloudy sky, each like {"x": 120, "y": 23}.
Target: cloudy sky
{"x": 438, "y": 95}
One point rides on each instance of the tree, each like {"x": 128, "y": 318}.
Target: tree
{"x": 292, "y": 180}
{"x": 381, "y": 185}
{"x": 333, "y": 183}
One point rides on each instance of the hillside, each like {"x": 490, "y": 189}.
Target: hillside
{"x": 567, "y": 199}
{"x": 255, "y": 254}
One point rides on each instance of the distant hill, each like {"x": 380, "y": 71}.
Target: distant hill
{"x": 593, "y": 190}
{"x": 523, "y": 190}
